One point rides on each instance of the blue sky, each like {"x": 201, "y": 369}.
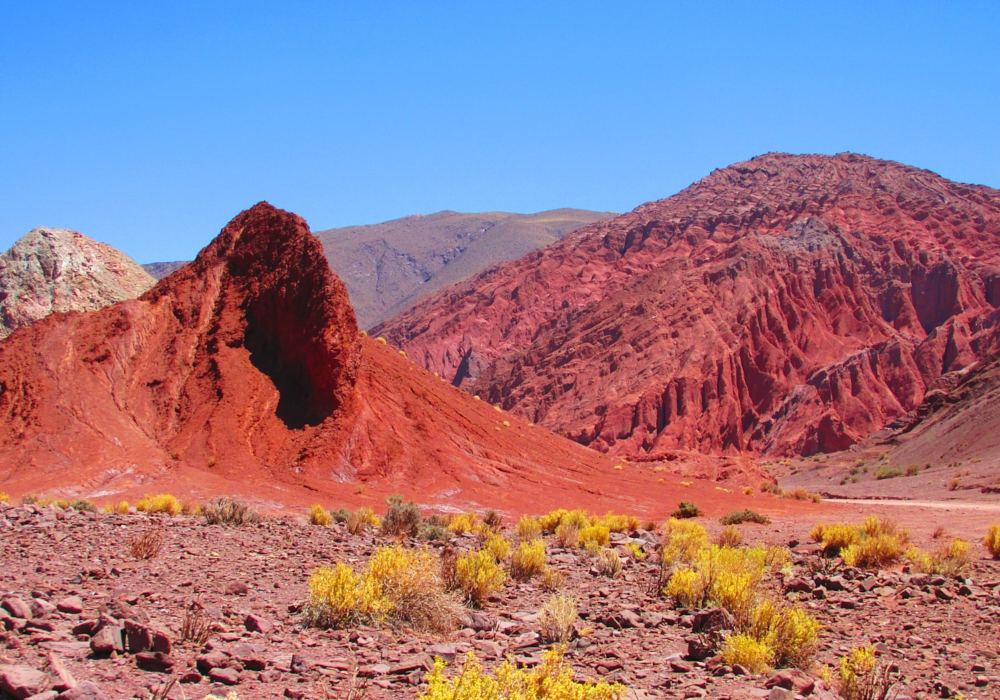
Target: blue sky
{"x": 149, "y": 125}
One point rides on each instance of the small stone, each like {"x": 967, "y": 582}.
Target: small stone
{"x": 71, "y": 605}
{"x": 446, "y": 652}
{"x": 299, "y": 664}
{"x": 41, "y": 607}
{"x": 17, "y": 608}
{"x": 226, "y": 676}
{"x": 237, "y": 588}
{"x": 137, "y": 637}
{"x": 65, "y": 679}
{"x": 22, "y": 682}
{"x": 154, "y": 661}
{"x": 107, "y": 640}
{"x": 213, "y": 659}
{"x": 780, "y": 694}
{"x": 190, "y": 677}
{"x": 791, "y": 679}
{"x": 47, "y": 695}
{"x": 256, "y": 623}
{"x": 84, "y": 691}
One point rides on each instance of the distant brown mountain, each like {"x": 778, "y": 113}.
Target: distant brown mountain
{"x": 161, "y": 269}
{"x": 388, "y": 267}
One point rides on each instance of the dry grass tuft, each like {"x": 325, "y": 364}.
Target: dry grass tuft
{"x": 992, "y": 540}
{"x": 319, "y": 516}
{"x": 229, "y": 511}
{"x": 557, "y": 619}
{"x": 146, "y": 544}
{"x": 528, "y": 560}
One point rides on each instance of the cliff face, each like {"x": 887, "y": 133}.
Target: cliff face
{"x": 53, "y": 270}
{"x": 244, "y": 372}
{"x": 786, "y": 305}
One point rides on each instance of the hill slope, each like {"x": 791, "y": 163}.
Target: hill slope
{"x": 53, "y": 270}
{"x": 245, "y": 372}
{"x": 785, "y": 305}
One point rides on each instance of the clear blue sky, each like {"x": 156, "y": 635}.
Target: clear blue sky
{"x": 149, "y": 125}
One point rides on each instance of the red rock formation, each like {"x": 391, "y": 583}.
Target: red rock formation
{"x": 786, "y": 305}
{"x": 244, "y": 372}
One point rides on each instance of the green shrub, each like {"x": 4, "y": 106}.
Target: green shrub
{"x": 738, "y": 517}
{"x": 402, "y": 518}
{"x": 888, "y": 473}
{"x": 686, "y": 509}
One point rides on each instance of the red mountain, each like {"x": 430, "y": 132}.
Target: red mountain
{"x": 785, "y": 305}
{"x": 245, "y": 372}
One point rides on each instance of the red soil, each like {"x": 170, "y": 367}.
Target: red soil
{"x": 786, "y": 305}
{"x": 244, "y": 373}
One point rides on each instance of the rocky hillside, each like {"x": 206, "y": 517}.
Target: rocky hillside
{"x": 785, "y": 305}
{"x": 244, "y": 372}
{"x": 161, "y": 269}
{"x": 53, "y": 270}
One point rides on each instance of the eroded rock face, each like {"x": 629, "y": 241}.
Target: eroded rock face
{"x": 786, "y": 305}
{"x": 244, "y": 373}
{"x": 53, "y": 270}
{"x": 234, "y": 361}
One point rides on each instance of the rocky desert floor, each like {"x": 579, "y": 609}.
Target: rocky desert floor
{"x": 69, "y": 587}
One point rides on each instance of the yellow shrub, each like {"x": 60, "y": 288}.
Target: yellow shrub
{"x": 857, "y": 674}
{"x": 550, "y": 680}
{"x": 319, "y": 516}
{"x": 162, "y": 503}
{"x": 399, "y": 583}
{"x": 528, "y": 529}
{"x": 794, "y": 637}
{"x": 528, "y": 560}
{"x": 816, "y": 534}
{"x": 555, "y": 623}
{"x": 874, "y": 526}
{"x": 687, "y": 587}
{"x": 462, "y": 523}
{"x": 595, "y": 533}
{"x": 121, "y": 508}
{"x": 592, "y": 548}
{"x": 838, "y": 536}
{"x": 620, "y": 523}
{"x": 360, "y": 519}
{"x": 746, "y": 651}
{"x": 479, "y": 576}
{"x": 550, "y": 521}
{"x": 635, "y": 551}
{"x": 682, "y": 540}
{"x": 4, "y": 498}
{"x": 873, "y": 552}
{"x": 498, "y": 546}
{"x": 567, "y": 535}
{"x": 736, "y": 593}
{"x": 992, "y": 540}
{"x": 339, "y": 597}
{"x": 578, "y": 518}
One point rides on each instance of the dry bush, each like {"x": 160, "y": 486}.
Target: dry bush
{"x": 992, "y": 540}
{"x": 229, "y": 511}
{"x": 449, "y": 568}
{"x": 619, "y": 523}
{"x": 552, "y": 580}
{"x": 950, "y": 559}
{"x": 794, "y": 637}
{"x": 863, "y": 678}
{"x": 552, "y": 679}
{"x": 197, "y": 625}
{"x": 528, "y": 529}
{"x": 636, "y": 552}
{"x": 479, "y": 576}
{"x": 528, "y": 560}
{"x": 361, "y": 519}
{"x": 160, "y": 503}
{"x": 609, "y": 563}
{"x": 730, "y": 537}
{"x": 120, "y": 508}
{"x": 493, "y": 520}
{"x": 319, "y": 516}
{"x": 4, "y": 498}
{"x": 146, "y": 544}
{"x": 83, "y": 505}
{"x": 938, "y": 533}
{"x": 557, "y": 619}
{"x": 567, "y": 535}
{"x": 682, "y": 541}
{"x": 402, "y": 519}
{"x": 189, "y": 507}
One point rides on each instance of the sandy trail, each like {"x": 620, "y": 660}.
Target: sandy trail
{"x": 945, "y": 505}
